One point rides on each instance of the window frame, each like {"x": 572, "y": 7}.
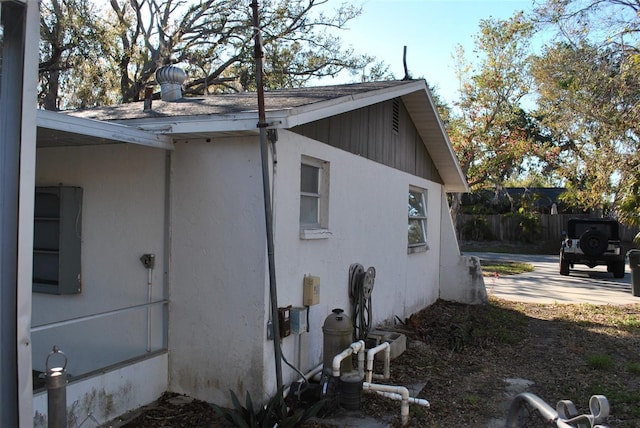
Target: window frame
{"x": 320, "y": 228}
{"x": 421, "y": 217}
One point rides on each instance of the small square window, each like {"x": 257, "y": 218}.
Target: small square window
{"x": 417, "y": 228}
{"x": 314, "y": 192}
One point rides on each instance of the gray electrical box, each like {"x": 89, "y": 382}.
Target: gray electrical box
{"x": 299, "y": 320}
{"x": 57, "y": 239}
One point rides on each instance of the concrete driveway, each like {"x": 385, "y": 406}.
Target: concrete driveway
{"x": 546, "y": 285}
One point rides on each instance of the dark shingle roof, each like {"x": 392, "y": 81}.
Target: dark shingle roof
{"x": 225, "y": 104}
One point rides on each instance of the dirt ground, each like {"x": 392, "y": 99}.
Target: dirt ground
{"x": 465, "y": 355}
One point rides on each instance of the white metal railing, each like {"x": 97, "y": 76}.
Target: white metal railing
{"x": 75, "y": 320}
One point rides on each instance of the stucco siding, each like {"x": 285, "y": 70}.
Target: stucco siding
{"x": 367, "y": 224}
{"x": 217, "y": 326}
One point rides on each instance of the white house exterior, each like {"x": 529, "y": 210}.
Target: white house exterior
{"x": 182, "y": 182}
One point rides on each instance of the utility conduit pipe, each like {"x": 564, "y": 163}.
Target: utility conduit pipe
{"x": 357, "y": 347}
{"x": 307, "y": 376}
{"x": 396, "y": 393}
{"x": 371, "y": 354}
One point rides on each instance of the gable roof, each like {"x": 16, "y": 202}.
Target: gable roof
{"x": 215, "y": 115}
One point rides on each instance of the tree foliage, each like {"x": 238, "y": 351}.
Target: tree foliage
{"x": 71, "y": 55}
{"x": 212, "y": 39}
{"x": 580, "y": 121}
{"x": 588, "y": 85}
{"x": 491, "y": 133}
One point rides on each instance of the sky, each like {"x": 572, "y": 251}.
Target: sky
{"x": 430, "y": 29}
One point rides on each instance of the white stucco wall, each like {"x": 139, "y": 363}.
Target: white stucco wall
{"x": 368, "y": 225}
{"x": 109, "y": 395}
{"x": 219, "y": 279}
{"x": 122, "y": 218}
{"x": 217, "y": 326}
{"x": 461, "y": 276}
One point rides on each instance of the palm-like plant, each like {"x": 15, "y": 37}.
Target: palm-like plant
{"x": 274, "y": 413}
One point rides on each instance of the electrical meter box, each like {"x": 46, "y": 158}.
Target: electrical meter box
{"x": 311, "y": 293}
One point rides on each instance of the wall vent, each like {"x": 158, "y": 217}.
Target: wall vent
{"x": 395, "y": 119}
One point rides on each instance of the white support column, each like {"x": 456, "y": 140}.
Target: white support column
{"x": 18, "y": 81}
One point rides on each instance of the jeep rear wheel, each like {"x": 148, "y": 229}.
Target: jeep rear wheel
{"x": 593, "y": 242}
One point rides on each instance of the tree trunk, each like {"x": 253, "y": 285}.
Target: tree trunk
{"x": 50, "y": 101}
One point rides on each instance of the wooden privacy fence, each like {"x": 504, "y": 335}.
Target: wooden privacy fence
{"x": 501, "y": 227}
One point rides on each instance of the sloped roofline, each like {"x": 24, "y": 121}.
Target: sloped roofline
{"x": 215, "y": 115}
{"x": 419, "y": 102}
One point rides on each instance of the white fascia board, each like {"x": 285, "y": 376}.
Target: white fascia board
{"x": 461, "y": 186}
{"x": 226, "y": 123}
{"x": 96, "y": 128}
{"x": 312, "y": 112}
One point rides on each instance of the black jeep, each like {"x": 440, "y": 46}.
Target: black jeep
{"x": 592, "y": 242}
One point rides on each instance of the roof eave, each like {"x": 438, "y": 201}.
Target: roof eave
{"x": 64, "y": 127}
{"x": 423, "y": 111}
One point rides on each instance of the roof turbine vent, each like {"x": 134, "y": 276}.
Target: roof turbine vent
{"x": 170, "y": 79}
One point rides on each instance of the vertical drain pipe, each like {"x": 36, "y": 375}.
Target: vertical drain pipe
{"x": 266, "y": 187}
{"x": 148, "y": 261}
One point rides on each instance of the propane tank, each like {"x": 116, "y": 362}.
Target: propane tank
{"x": 338, "y": 334}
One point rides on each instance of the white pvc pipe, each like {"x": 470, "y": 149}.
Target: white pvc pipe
{"x": 398, "y": 397}
{"x": 397, "y": 390}
{"x": 354, "y": 347}
{"x": 396, "y": 393}
{"x": 399, "y": 393}
{"x": 313, "y": 372}
{"x": 361, "y": 362}
{"x": 371, "y": 354}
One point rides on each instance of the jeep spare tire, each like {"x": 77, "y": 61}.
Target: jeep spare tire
{"x": 593, "y": 242}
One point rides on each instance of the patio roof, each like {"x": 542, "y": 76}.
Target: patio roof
{"x": 56, "y": 130}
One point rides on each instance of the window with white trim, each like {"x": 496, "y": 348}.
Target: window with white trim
{"x": 314, "y": 197}
{"x": 417, "y": 228}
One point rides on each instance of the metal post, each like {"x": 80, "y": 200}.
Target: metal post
{"x": 56, "y": 382}
{"x": 266, "y": 187}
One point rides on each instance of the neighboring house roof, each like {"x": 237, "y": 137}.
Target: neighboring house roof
{"x": 215, "y": 115}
